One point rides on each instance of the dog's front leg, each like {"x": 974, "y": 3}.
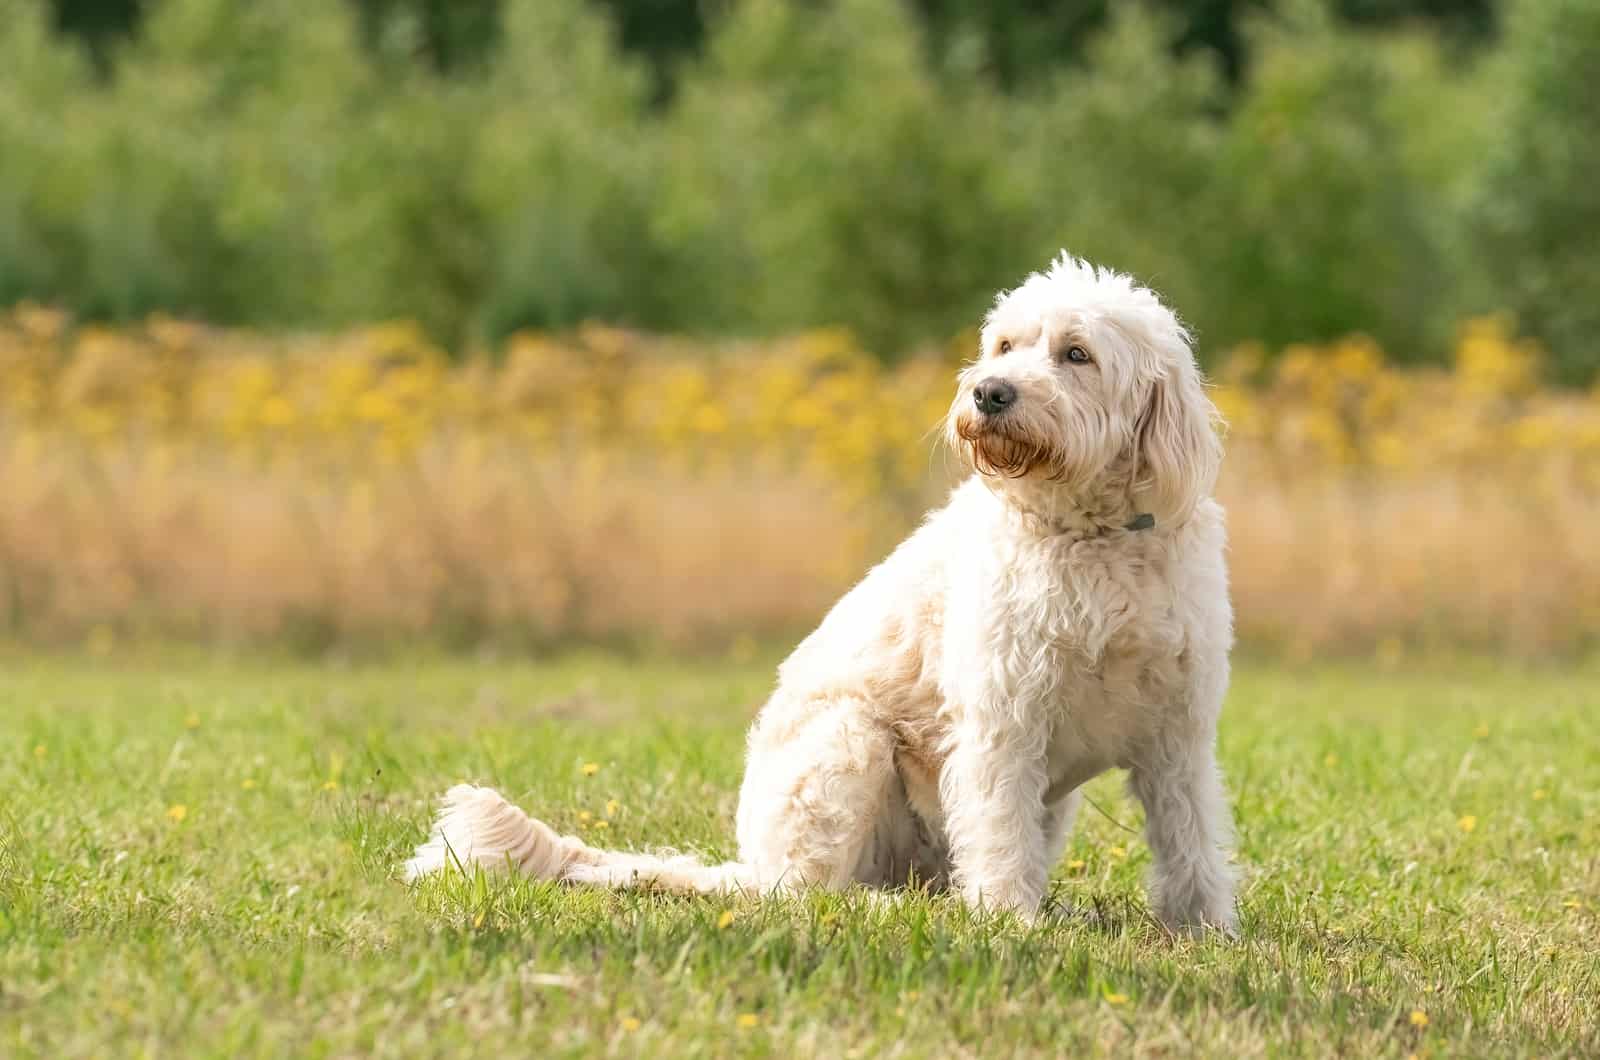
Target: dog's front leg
{"x": 1189, "y": 830}
{"x": 992, "y": 789}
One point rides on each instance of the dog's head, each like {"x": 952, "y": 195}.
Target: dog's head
{"x": 1084, "y": 380}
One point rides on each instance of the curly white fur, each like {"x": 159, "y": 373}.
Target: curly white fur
{"x": 1030, "y": 635}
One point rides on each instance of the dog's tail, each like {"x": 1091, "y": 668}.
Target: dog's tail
{"x": 477, "y": 826}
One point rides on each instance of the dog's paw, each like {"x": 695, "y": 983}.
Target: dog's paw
{"x": 1197, "y": 923}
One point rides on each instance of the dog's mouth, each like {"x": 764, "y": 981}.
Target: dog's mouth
{"x": 996, "y": 445}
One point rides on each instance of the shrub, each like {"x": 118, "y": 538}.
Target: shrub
{"x": 1538, "y": 208}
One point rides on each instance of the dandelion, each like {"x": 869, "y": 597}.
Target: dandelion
{"x": 598, "y": 825}
{"x": 1539, "y": 794}
{"x": 1419, "y": 1018}
{"x": 591, "y": 768}
{"x": 612, "y": 806}
{"x": 584, "y": 816}
{"x": 177, "y": 812}
{"x": 1482, "y": 731}
{"x": 1467, "y": 823}
{"x": 192, "y": 721}
{"x": 747, "y": 1020}
{"x": 1075, "y": 865}
{"x": 726, "y": 919}
{"x": 248, "y": 783}
{"x": 1117, "y": 852}
{"x": 631, "y": 1024}
{"x": 330, "y": 785}
{"x": 1330, "y": 760}
{"x": 1116, "y": 999}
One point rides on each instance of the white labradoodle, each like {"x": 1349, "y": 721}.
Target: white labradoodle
{"x": 1066, "y": 612}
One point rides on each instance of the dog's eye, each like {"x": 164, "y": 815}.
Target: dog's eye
{"x": 1004, "y": 347}
{"x": 1078, "y": 355}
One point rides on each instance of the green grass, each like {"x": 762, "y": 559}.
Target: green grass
{"x": 267, "y": 921}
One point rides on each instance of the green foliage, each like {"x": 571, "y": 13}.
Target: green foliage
{"x": 45, "y": 83}
{"x": 1319, "y": 212}
{"x": 1538, "y": 211}
{"x": 818, "y": 173}
{"x": 860, "y": 162}
{"x": 561, "y": 165}
{"x": 196, "y": 180}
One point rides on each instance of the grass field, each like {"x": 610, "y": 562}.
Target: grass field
{"x": 197, "y": 857}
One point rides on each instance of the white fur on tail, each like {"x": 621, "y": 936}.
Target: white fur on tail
{"x": 477, "y": 826}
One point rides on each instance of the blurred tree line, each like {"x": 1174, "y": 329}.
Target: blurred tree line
{"x": 1285, "y": 169}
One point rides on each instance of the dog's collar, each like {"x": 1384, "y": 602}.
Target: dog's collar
{"x": 1142, "y": 521}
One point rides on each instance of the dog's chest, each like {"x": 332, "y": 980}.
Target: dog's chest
{"x": 1091, "y": 632}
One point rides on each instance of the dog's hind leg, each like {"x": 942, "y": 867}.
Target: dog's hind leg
{"x": 813, "y": 808}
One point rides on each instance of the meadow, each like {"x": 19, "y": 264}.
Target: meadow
{"x": 198, "y": 856}
{"x": 324, "y": 490}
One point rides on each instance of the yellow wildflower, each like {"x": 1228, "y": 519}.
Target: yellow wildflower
{"x": 612, "y": 806}
{"x": 1467, "y": 823}
{"x": 1330, "y": 759}
{"x": 248, "y": 784}
{"x": 177, "y": 812}
{"x": 1539, "y": 794}
{"x": 330, "y": 785}
{"x": 39, "y": 751}
{"x": 631, "y": 1024}
{"x": 1075, "y": 865}
{"x": 1116, "y": 999}
{"x": 1419, "y": 1018}
{"x": 192, "y": 721}
{"x": 726, "y": 919}
{"x": 591, "y": 768}
{"x": 1117, "y": 852}
{"x": 747, "y": 1020}
{"x": 1482, "y": 731}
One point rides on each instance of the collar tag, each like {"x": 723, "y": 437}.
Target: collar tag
{"x": 1142, "y": 521}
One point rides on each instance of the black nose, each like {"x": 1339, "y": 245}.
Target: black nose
{"x": 993, "y": 396}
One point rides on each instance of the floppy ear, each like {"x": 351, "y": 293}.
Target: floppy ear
{"x": 1176, "y": 444}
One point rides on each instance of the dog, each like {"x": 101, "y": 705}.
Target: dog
{"x": 1066, "y": 612}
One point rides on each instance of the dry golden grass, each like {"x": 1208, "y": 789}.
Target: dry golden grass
{"x": 176, "y": 480}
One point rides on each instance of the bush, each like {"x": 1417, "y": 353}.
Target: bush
{"x": 1538, "y": 211}
{"x": 561, "y": 165}
{"x": 293, "y": 166}
{"x": 198, "y": 179}
{"x": 1320, "y": 221}
{"x": 817, "y": 172}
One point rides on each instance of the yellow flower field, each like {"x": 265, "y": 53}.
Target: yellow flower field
{"x": 175, "y": 479}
